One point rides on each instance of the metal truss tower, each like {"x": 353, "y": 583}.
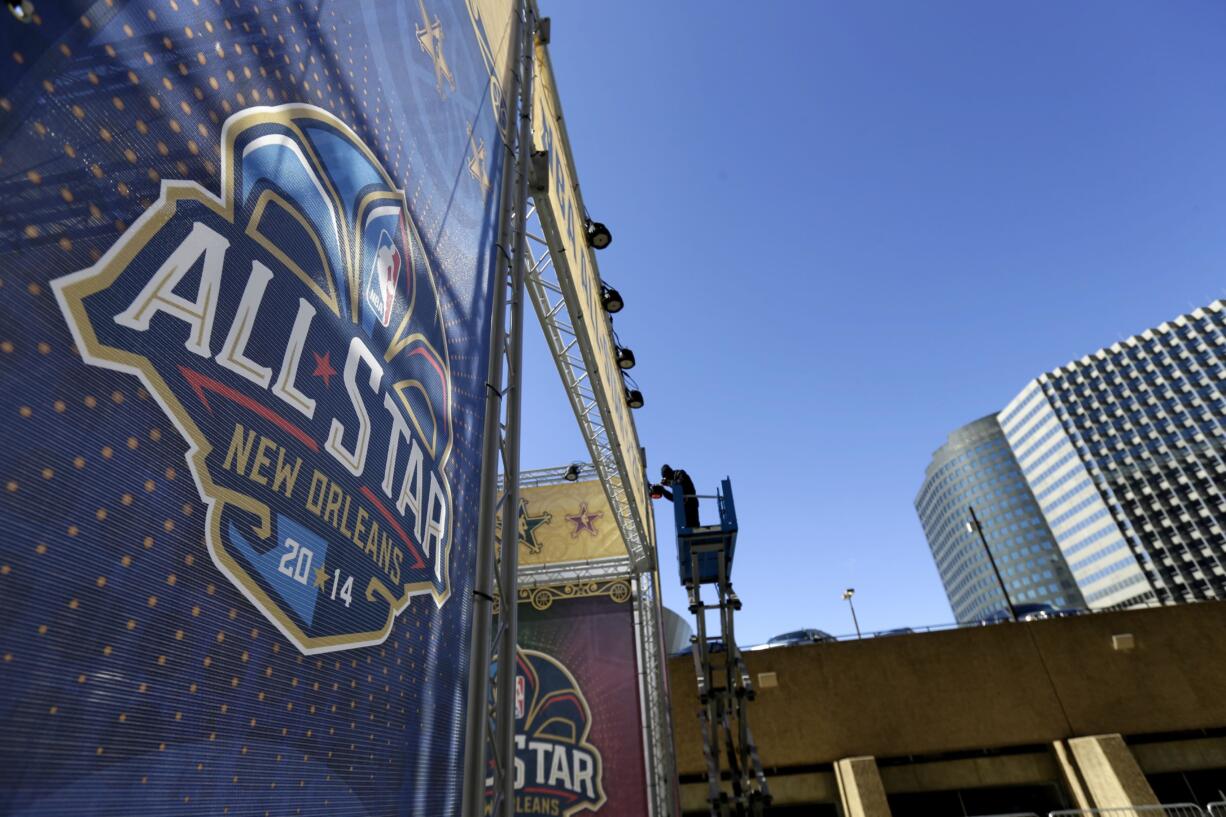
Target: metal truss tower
{"x": 549, "y": 283}
{"x": 724, "y": 684}
{"x": 489, "y": 748}
{"x": 644, "y": 586}
{"x": 532, "y": 263}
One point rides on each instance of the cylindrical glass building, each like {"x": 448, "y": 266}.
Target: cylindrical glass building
{"x": 976, "y": 468}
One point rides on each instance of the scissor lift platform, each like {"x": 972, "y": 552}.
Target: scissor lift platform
{"x": 704, "y": 556}
{"x": 708, "y": 541}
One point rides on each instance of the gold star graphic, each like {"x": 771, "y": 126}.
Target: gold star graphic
{"x": 476, "y": 161}
{"x": 585, "y": 520}
{"x": 430, "y": 38}
{"x": 321, "y": 577}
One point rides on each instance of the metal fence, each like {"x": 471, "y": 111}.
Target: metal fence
{"x": 1167, "y": 810}
{"x": 934, "y": 628}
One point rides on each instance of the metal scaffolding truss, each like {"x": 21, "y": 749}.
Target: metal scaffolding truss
{"x": 553, "y": 299}
{"x": 570, "y": 572}
{"x": 529, "y": 248}
{"x": 489, "y": 749}
{"x": 653, "y": 694}
{"x": 552, "y": 476}
{"x": 550, "y": 287}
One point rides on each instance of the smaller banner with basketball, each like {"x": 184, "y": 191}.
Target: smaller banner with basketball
{"x": 578, "y": 742}
{"x": 567, "y": 522}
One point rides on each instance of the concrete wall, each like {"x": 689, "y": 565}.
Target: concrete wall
{"x": 991, "y": 687}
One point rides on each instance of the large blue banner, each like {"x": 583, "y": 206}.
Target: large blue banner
{"x": 246, "y": 255}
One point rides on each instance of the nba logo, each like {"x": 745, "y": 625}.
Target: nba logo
{"x": 519, "y": 696}
{"x": 381, "y": 282}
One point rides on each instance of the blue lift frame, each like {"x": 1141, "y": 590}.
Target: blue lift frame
{"x": 700, "y": 539}
{"x": 704, "y": 556}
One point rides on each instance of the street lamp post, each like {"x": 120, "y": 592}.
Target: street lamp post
{"x": 847, "y": 594}
{"x": 973, "y": 526}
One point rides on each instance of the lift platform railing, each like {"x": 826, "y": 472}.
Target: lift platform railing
{"x": 699, "y": 536}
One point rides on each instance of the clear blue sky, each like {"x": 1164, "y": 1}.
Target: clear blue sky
{"x": 844, "y": 229}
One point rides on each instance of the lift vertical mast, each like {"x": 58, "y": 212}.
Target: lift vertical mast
{"x": 704, "y": 554}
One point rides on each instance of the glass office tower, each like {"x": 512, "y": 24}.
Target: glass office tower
{"x": 1126, "y": 451}
{"x": 976, "y": 468}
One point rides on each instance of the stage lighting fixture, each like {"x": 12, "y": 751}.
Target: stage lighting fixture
{"x": 23, "y": 10}
{"x": 625, "y": 358}
{"x": 572, "y": 473}
{"x": 657, "y": 490}
{"x": 634, "y": 398}
{"x": 611, "y": 299}
{"x": 598, "y": 235}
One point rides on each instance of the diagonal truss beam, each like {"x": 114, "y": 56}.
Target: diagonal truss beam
{"x": 554, "y": 298}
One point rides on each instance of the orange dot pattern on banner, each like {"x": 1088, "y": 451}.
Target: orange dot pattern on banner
{"x": 154, "y": 654}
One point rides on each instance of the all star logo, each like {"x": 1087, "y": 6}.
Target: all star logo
{"x": 290, "y": 328}
{"x": 557, "y": 770}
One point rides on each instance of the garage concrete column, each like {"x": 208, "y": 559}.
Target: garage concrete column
{"x": 1073, "y": 783}
{"x": 1101, "y": 772}
{"x": 860, "y": 791}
